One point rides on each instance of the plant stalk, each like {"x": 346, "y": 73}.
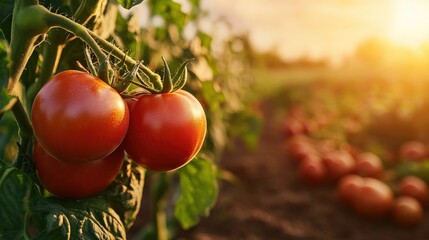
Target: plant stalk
{"x": 25, "y": 132}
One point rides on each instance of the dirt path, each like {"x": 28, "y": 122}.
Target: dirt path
{"x": 270, "y": 203}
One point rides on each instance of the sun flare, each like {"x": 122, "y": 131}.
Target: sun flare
{"x": 410, "y": 22}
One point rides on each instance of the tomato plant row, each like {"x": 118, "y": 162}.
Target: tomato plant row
{"x": 333, "y": 144}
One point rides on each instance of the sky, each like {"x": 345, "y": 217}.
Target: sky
{"x": 318, "y": 29}
{"x": 322, "y": 29}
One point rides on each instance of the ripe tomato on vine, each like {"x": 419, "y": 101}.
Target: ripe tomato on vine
{"x": 79, "y": 118}
{"x": 166, "y": 130}
{"x": 76, "y": 180}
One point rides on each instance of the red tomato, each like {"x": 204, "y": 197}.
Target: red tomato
{"x": 78, "y": 118}
{"x": 299, "y": 148}
{"x": 414, "y": 187}
{"x": 374, "y": 199}
{"x": 407, "y": 211}
{"x": 76, "y": 180}
{"x": 293, "y": 126}
{"x": 312, "y": 171}
{"x": 368, "y": 165}
{"x": 166, "y": 130}
{"x": 338, "y": 164}
{"x": 413, "y": 150}
{"x": 348, "y": 187}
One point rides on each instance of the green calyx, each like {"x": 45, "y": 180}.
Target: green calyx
{"x": 171, "y": 84}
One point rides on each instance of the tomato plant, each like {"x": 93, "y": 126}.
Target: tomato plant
{"x": 79, "y": 117}
{"x": 73, "y": 121}
{"x": 166, "y": 130}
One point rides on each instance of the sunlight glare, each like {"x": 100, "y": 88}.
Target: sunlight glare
{"x": 410, "y": 23}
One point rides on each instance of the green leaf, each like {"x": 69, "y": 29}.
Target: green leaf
{"x": 14, "y": 191}
{"x": 106, "y": 216}
{"x": 126, "y": 32}
{"x": 86, "y": 219}
{"x": 199, "y": 190}
{"x": 129, "y": 3}
{"x": 6, "y": 101}
{"x": 409, "y": 168}
{"x": 248, "y": 127}
{"x": 125, "y": 194}
{"x": 170, "y": 11}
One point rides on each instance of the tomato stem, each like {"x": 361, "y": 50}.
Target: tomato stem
{"x": 57, "y": 20}
{"x": 21, "y": 116}
{"x": 29, "y": 25}
{"x": 51, "y": 57}
{"x": 25, "y": 133}
{"x": 154, "y": 78}
{"x": 89, "y": 63}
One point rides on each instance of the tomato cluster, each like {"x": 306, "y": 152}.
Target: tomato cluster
{"x": 364, "y": 181}
{"x": 82, "y": 127}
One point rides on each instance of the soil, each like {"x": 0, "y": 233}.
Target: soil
{"x": 269, "y": 202}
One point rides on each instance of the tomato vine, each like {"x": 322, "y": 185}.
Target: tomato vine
{"x": 39, "y": 40}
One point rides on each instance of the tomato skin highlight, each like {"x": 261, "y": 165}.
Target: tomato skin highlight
{"x": 166, "y": 130}
{"x": 76, "y": 180}
{"x": 78, "y": 118}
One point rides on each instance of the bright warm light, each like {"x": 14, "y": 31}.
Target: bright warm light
{"x": 410, "y": 23}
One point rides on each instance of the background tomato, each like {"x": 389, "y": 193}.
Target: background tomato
{"x": 407, "y": 211}
{"x": 312, "y": 170}
{"x": 338, "y": 163}
{"x": 368, "y": 165}
{"x": 413, "y": 150}
{"x": 373, "y": 199}
{"x": 76, "y": 180}
{"x": 77, "y": 117}
{"x": 414, "y": 187}
{"x": 348, "y": 187}
{"x": 166, "y": 130}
